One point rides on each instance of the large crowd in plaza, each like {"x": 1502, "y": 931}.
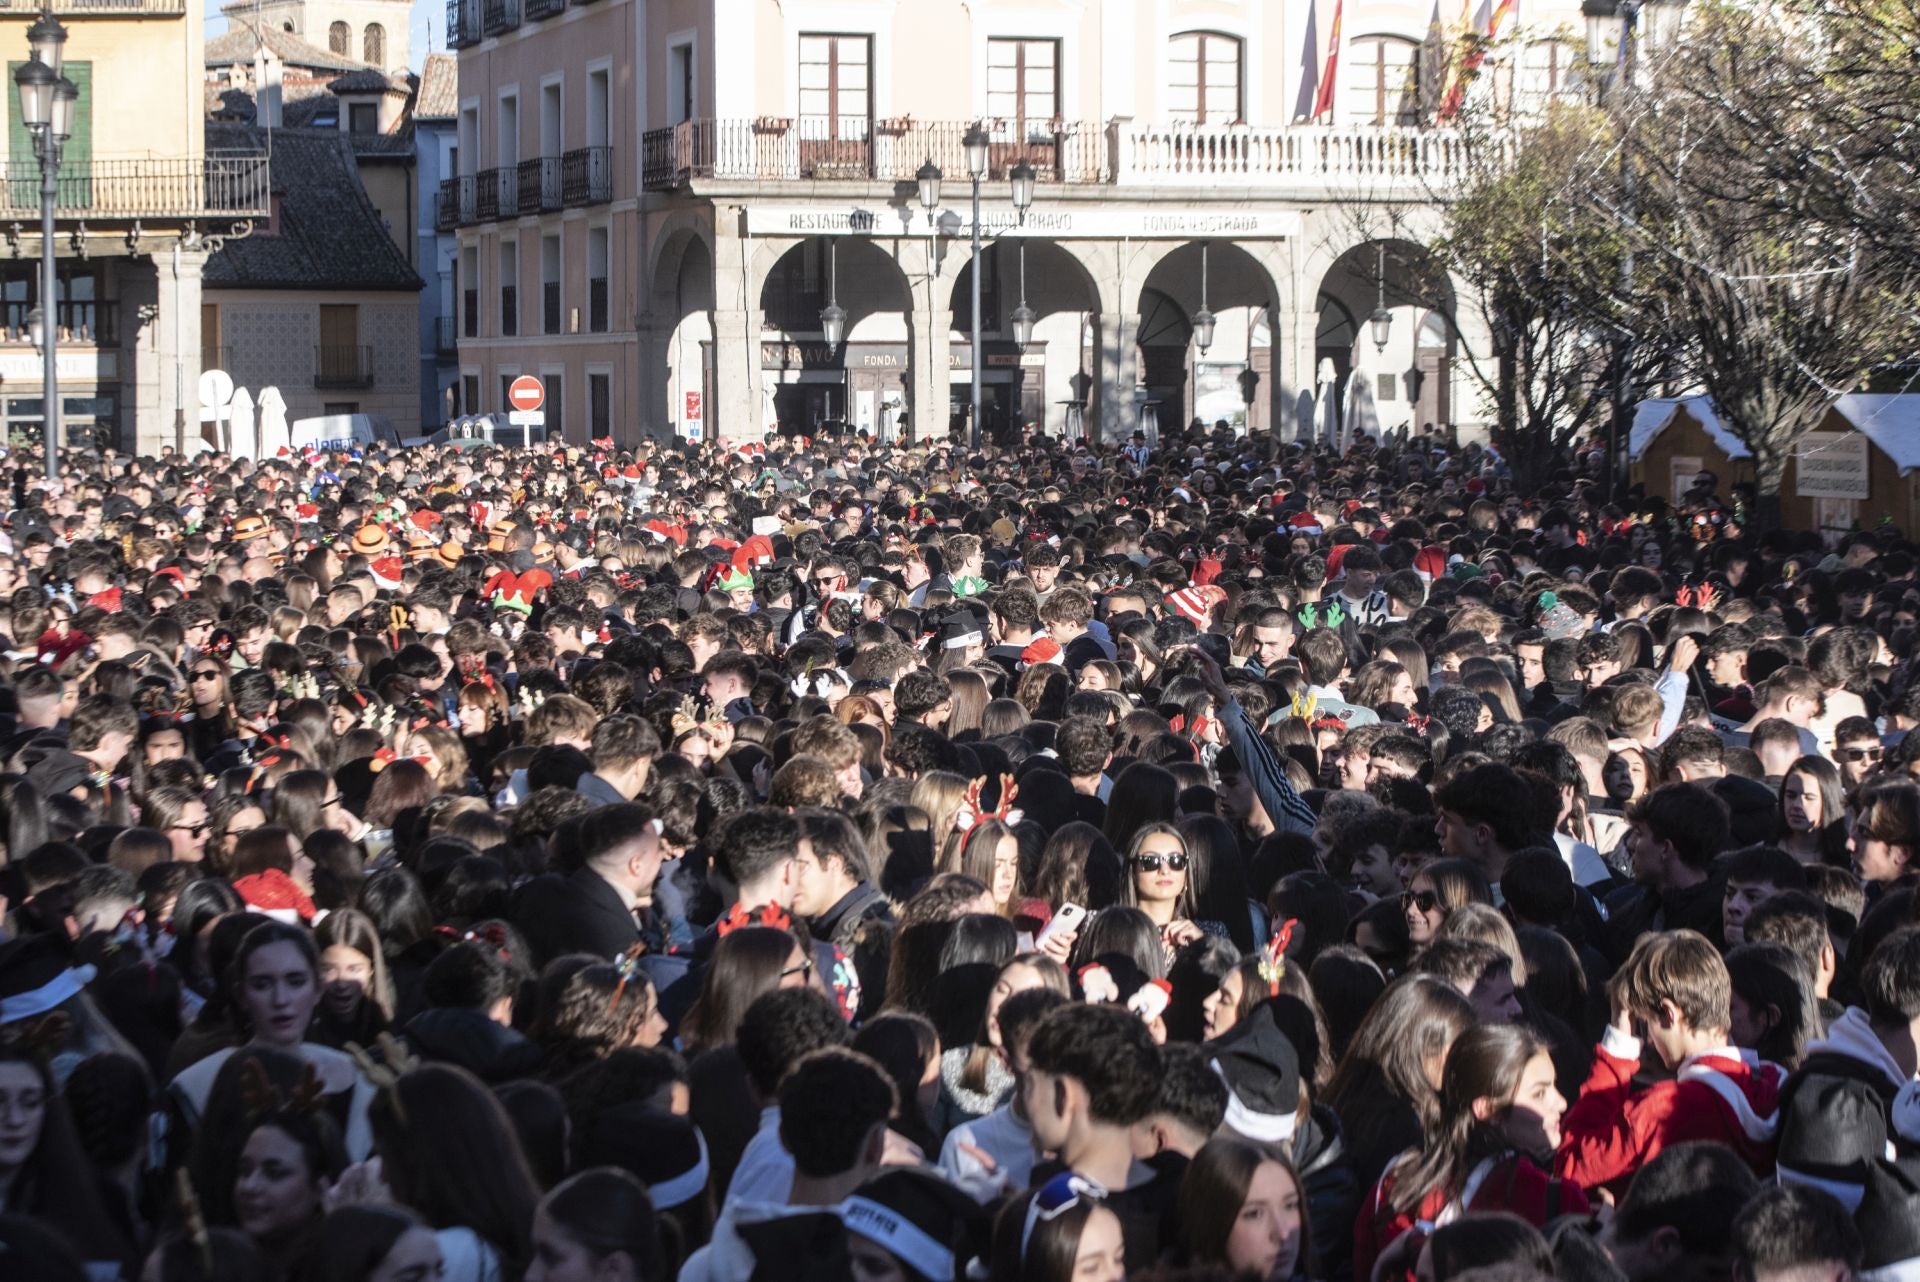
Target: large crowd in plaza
{"x": 1210, "y": 859}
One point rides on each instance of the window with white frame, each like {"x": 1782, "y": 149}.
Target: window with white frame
{"x": 1383, "y": 85}
{"x": 836, "y": 100}
{"x": 1204, "y": 78}
{"x": 1023, "y": 82}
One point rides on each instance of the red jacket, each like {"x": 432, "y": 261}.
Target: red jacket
{"x": 1724, "y": 1095}
{"x": 1511, "y": 1183}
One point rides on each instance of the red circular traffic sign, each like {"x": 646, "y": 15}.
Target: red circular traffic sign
{"x": 526, "y": 393}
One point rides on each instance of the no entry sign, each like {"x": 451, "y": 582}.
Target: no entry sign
{"x": 526, "y": 393}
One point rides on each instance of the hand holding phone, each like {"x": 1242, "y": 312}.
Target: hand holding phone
{"x": 1065, "y": 922}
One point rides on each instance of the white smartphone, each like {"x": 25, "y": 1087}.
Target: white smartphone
{"x": 1065, "y": 921}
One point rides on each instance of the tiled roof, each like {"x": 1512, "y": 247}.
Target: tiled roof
{"x": 329, "y": 234}
{"x": 243, "y": 38}
{"x": 368, "y": 80}
{"x": 439, "y": 97}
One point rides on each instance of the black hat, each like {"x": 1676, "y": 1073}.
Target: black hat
{"x": 1262, "y": 1071}
{"x": 664, "y": 1151}
{"x": 1831, "y": 1131}
{"x": 962, "y": 629}
{"x": 920, "y": 1219}
{"x": 59, "y": 771}
{"x": 35, "y": 977}
{"x": 1888, "y": 1218}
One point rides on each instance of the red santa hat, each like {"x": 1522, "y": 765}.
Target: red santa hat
{"x": 1040, "y": 650}
{"x": 1430, "y": 563}
{"x": 387, "y": 572}
{"x": 754, "y": 553}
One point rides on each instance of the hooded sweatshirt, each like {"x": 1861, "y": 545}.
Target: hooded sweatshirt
{"x": 1726, "y": 1095}
{"x": 1851, "y": 1058}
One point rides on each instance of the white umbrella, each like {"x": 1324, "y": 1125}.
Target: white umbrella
{"x": 1362, "y": 416}
{"x": 240, "y": 438}
{"x": 273, "y": 421}
{"x": 1327, "y": 426}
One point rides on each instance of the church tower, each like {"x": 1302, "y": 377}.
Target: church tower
{"x": 375, "y": 32}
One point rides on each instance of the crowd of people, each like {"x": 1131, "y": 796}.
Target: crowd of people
{"x": 831, "y": 860}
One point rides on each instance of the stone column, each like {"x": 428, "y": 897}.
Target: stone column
{"x": 160, "y": 400}
{"x": 736, "y": 375}
{"x": 1117, "y": 359}
{"x": 1293, "y": 371}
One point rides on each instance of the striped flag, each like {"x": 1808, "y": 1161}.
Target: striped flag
{"x": 1324, "y": 102}
{"x": 1486, "y": 25}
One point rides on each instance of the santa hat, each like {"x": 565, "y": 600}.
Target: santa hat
{"x": 1304, "y": 522}
{"x": 1189, "y": 605}
{"x": 753, "y": 554}
{"x": 1040, "y": 650}
{"x": 1335, "y": 555}
{"x": 1262, "y": 1071}
{"x": 1430, "y": 563}
{"x": 388, "y": 572}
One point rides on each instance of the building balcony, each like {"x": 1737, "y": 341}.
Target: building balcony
{"x": 343, "y": 366}
{"x": 99, "y": 8}
{"x": 446, "y": 337}
{"x": 446, "y": 205}
{"x": 1359, "y": 159}
{"x": 497, "y": 17}
{"x": 537, "y": 9}
{"x": 586, "y": 176}
{"x": 539, "y": 184}
{"x": 463, "y": 23}
{"x": 214, "y": 187}
{"x": 82, "y": 324}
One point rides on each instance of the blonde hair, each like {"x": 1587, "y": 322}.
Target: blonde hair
{"x": 1485, "y": 924}
{"x": 940, "y": 794}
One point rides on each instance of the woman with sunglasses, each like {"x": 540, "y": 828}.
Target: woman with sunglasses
{"x": 1065, "y": 1232}
{"x": 212, "y": 724}
{"x": 1156, "y": 883}
{"x": 1886, "y": 833}
{"x": 1435, "y": 891}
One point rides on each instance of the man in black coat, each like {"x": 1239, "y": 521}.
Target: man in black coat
{"x": 592, "y": 909}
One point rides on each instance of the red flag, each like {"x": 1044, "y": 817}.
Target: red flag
{"x": 1324, "y": 103}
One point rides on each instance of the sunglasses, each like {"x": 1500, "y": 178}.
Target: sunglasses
{"x": 206, "y": 676}
{"x": 1425, "y": 900}
{"x": 1859, "y": 754}
{"x": 1153, "y": 863}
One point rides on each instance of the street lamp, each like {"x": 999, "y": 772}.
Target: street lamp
{"x": 1022, "y": 179}
{"x": 833, "y": 317}
{"x": 1203, "y": 320}
{"x": 929, "y": 177}
{"x": 47, "y": 101}
{"x": 1382, "y": 319}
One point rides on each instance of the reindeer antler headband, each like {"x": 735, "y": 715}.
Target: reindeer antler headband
{"x": 971, "y": 813}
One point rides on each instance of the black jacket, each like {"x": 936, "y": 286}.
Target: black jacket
{"x": 578, "y": 913}
{"x": 491, "y": 1052}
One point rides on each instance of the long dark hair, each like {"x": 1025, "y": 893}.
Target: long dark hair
{"x": 1486, "y": 1062}
{"x": 354, "y": 1240}
{"x": 1143, "y": 794}
{"x": 449, "y": 1151}
{"x": 606, "y": 1209}
{"x": 1217, "y": 877}
{"x": 1415, "y": 1020}
{"x": 56, "y": 1183}
{"x": 1215, "y": 1188}
{"x": 746, "y": 964}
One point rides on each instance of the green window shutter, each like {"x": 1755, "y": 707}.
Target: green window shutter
{"x": 23, "y": 171}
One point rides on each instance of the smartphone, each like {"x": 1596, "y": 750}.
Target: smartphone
{"x": 1065, "y": 921}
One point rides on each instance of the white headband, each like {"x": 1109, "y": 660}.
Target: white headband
{"x": 684, "y": 1187}
{"x": 38, "y": 1001}
{"x": 884, "y": 1226}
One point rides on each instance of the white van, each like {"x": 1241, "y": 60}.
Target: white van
{"x": 343, "y": 432}
{"x": 472, "y": 431}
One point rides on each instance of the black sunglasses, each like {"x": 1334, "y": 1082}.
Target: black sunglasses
{"x": 1153, "y": 863}
{"x": 1859, "y": 754}
{"x": 1425, "y": 900}
{"x": 207, "y": 675}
